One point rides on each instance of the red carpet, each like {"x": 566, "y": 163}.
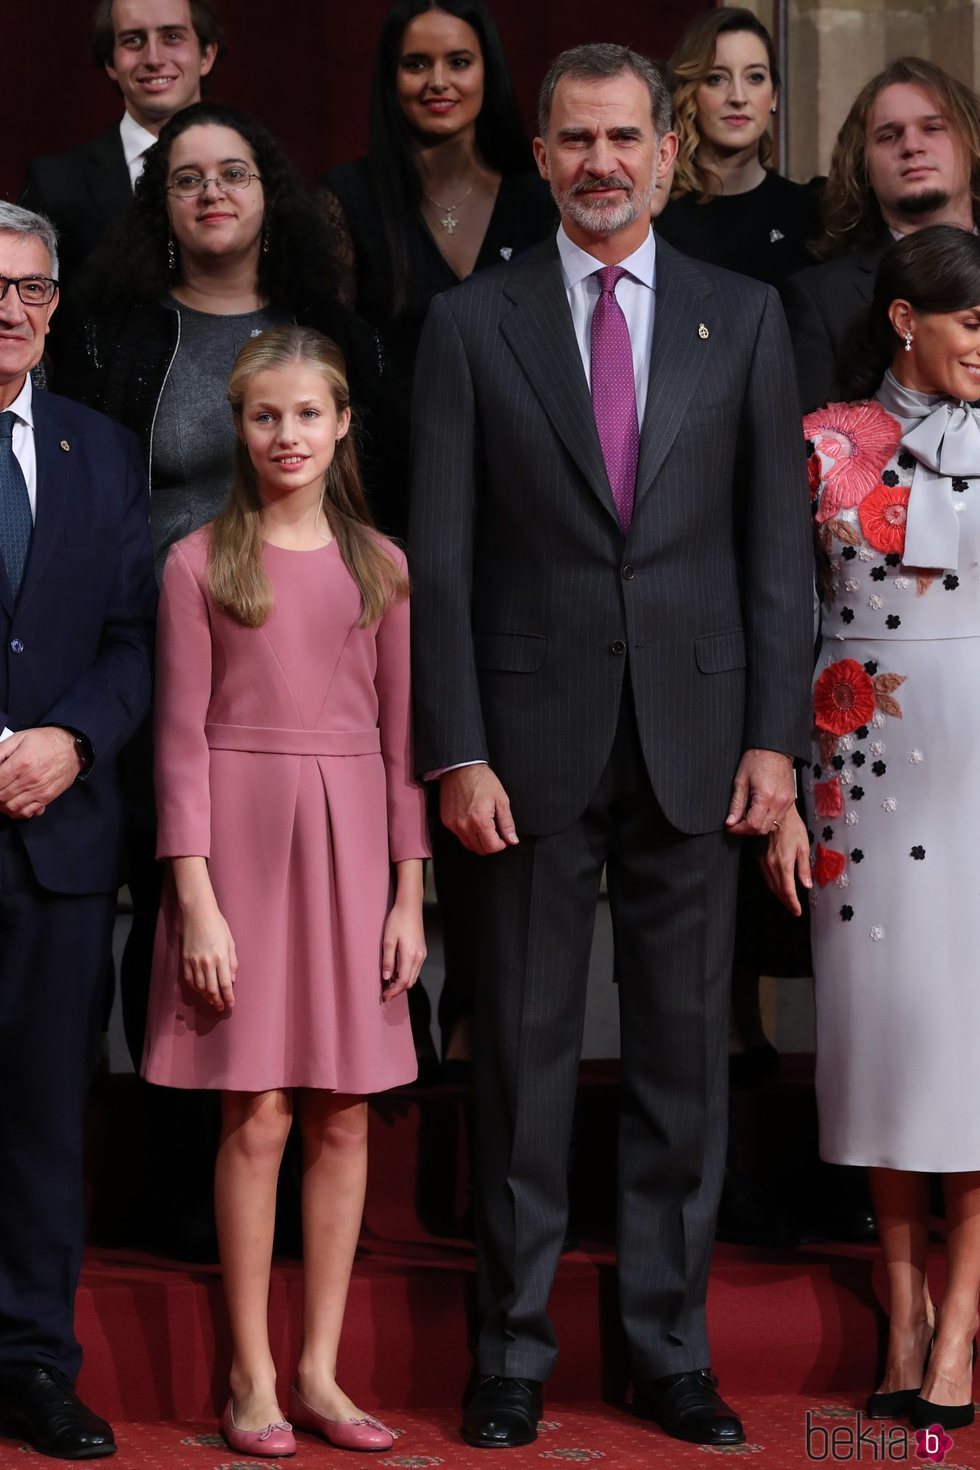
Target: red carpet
{"x": 776, "y": 1429}
{"x": 799, "y": 1327}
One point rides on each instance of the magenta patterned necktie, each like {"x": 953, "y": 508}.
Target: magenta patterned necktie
{"x": 614, "y": 393}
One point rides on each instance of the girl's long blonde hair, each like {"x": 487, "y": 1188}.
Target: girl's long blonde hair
{"x": 692, "y": 62}
{"x": 236, "y": 576}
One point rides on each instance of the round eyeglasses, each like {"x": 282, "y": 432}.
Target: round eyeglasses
{"x": 32, "y": 290}
{"x": 232, "y": 178}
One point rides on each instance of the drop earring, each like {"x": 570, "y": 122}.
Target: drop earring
{"x": 171, "y": 255}
{"x": 908, "y": 341}
{"x": 265, "y": 240}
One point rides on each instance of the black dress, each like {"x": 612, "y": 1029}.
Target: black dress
{"x": 523, "y": 215}
{"x": 763, "y": 233}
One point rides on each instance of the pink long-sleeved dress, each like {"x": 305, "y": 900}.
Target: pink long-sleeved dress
{"x": 283, "y": 756}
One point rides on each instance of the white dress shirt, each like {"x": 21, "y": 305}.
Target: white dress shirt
{"x": 636, "y": 293}
{"x": 23, "y": 439}
{"x": 135, "y": 141}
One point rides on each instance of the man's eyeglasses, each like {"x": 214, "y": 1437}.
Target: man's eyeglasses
{"x": 229, "y": 180}
{"x": 32, "y": 290}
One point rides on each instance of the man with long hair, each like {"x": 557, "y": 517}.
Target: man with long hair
{"x": 907, "y": 156}
{"x": 157, "y": 52}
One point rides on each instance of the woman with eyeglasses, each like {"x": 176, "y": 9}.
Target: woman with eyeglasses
{"x": 220, "y": 243}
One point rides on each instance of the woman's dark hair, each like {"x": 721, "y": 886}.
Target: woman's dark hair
{"x": 297, "y": 271}
{"x": 500, "y": 139}
{"x": 936, "y": 270}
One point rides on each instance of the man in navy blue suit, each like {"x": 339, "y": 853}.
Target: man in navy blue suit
{"x": 76, "y": 610}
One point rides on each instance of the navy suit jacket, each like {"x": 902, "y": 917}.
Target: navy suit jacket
{"x": 76, "y": 647}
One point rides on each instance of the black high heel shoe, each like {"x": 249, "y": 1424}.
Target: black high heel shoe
{"x": 923, "y": 1414}
{"x": 898, "y": 1403}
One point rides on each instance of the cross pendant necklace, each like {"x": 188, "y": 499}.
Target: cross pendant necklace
{"x": 449, "y": 222}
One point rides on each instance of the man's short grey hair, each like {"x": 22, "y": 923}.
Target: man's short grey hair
{"x": 17, "y": 221}
{"x": 599, "y": 61}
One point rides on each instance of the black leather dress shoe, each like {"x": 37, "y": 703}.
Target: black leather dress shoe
{"x": 501, "y": 1413}
{"x": 687, "y": 1406}
{"x": 39, "y": 1406}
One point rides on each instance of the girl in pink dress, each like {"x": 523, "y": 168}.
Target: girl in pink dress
{"x": 291, "y": 927}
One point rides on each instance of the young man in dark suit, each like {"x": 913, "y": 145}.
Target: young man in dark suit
{"x": 612, "y": 646}
{"x": 76, "y": 608}
{"x": 907, "y": 156}
{"x": 156, "y": 51}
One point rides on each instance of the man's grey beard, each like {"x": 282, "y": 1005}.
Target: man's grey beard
{"x": 916, "y": 205}
{"x": 596, "y": 217}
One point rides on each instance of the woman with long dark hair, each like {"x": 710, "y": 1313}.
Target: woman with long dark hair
{"x": 728, "y": 205}
{"x": 893, "y": 791}
{"x": 448, "y": 187}
{"x": 221, "y": 242}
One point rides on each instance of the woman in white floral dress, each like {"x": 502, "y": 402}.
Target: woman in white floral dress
{"x": 894, "y": 797}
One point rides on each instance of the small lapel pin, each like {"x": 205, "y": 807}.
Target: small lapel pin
{"x": 703, "y": 332}
{"x": 65, "y": 445}
{"x": 506, "y": 251}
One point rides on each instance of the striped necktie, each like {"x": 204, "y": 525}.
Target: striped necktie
{"x": 16, "y": 523}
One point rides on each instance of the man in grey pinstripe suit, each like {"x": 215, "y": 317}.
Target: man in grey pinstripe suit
{"x": 600, "y": 683}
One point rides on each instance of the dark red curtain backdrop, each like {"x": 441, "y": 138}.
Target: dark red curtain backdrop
{"x": 302, "y": 66}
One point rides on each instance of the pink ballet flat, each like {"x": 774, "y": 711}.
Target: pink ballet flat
{"x": 274, "y": 1439}
{"x": 343, "y": 1434}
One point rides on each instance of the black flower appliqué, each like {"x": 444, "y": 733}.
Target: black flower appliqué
{"x": 857, "y": 792}
{"x": 959, "y": 485}
{"x": 879, "y": 768}
{"x": 906, "y": 461}
{"x": 893, "y": 559}
{"x": 846, "y": 912}
{"x": 827, "y": 833}
{"x": 847, "y": 615}
{"x": 857, "y": 855}
{"x": 893, "y": 621}
{"x": 889, "y": 478}
{"x": 848, "y": 553}
{"x": 858, "y": 758}
{"x": 878, "y": 574}
{"x": 918, "y": 853}
{"x": 951, "y": 581}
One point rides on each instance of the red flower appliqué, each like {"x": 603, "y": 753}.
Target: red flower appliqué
{"x": 853, "y": 442}
{"x": 827, "y": 865}
{"x": 883, "y": 516}
{"x": 828, "y": 800}
{"x": 843, "y": 697}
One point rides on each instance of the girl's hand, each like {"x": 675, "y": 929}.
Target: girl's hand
{"x": 402, "y": 948}
{"x": 210, "y": 961}
{"x": 788, "y": 859}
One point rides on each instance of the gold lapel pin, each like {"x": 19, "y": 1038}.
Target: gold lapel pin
{"x": 703, "y": 332}
{"x": 65, "y": 445}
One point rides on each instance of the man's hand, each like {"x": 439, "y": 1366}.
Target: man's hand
{"x": 762, "y": 793}
{"x": 474, "y": 805}
{"x": 36, "y": 766}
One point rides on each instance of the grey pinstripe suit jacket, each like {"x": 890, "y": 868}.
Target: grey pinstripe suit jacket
{"x": 530, "y": 606}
